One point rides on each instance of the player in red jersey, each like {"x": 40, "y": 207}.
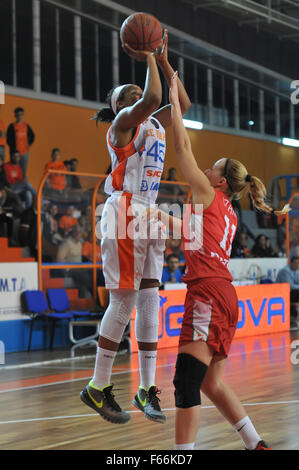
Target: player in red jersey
{"x": 211, "y": 306}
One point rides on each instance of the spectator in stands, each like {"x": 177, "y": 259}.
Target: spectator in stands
{"x": 2, "y": 138}
{"x": 55, "y": 181}
{"x": 17, "y": 183}
{"x": 239, "y": 247}
{"x": 282, "y": 249}
{"x": 294, "y": 236}
{"x": 86, "y": 219}
{"x": 70, "y": 251}
{"x": 259, "y": 249}
{"x": 290, "y": 275}
{"x": 87, "y": 256}
{"x": 28, "y": 229}
{"x": 68, "y": 221}
{"x": 281, "y": 238}
{"x": 11, "y": 199}
{"x": 3, "y": 180}
{"x": 50, "y": 226}
{"x": 75, "y": 180}
{"x": 68, "y": 178}
{"x": 10, "y": 207}
{"x": 87, "y": 249}
{"x": 172, "y": 273}
{"x": 270, "y": 250}
{"x": 19, "y": 138}
{"x": 174, "y": 247}
{"x": 174, "y": 189}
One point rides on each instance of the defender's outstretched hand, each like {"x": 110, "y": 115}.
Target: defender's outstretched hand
{"x": 161, "y": 53}
{"x": 173, "y": 91}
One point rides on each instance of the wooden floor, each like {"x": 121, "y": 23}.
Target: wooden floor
{"x": 40, "y": 406}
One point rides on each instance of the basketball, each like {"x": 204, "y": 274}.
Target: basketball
{"x": 141, "y": 31}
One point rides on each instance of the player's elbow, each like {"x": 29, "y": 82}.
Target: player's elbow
{"x": 152, "y": 100}
{"x": 182, "y": 148}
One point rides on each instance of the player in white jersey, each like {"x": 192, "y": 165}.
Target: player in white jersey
{"x": 132, "y": 266}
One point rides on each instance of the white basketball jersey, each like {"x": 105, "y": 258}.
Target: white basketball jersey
{"x": 137, "y": 168}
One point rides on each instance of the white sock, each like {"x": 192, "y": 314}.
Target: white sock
{"x": 189, "y": 446}
{"x": 147, "y": 365}
{"x": 103, "y": 367}
{"x": 247, "y": 433}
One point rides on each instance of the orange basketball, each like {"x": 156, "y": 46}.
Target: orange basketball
{"x": 141, "y": 31}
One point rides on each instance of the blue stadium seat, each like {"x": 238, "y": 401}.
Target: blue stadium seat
{"x": 59, "y": 302}
{"x": 37, "y": 307}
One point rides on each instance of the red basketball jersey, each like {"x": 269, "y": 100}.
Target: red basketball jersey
{"x": 218, "y": 225}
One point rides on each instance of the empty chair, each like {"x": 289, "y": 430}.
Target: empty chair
{"x": 59, "y": 301}
{"x": 37, "y": 306}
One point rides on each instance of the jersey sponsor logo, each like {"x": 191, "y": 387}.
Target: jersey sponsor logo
{"x": 153, "y": 173}
{"x": 155, "y": 133}
{"x": 144, "y": 185}
{"x": 153, "y": 187}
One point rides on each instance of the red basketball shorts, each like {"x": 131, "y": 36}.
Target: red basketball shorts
{"x": 211, "y": 314}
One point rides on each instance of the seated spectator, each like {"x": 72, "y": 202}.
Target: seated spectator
{"x": 259, "y": 249}
{"x": 50, "y": 226}
{"x": 290, "y": 275}
{"x": 28, "y": 229}
{"x": 172, "y": 273}
{"x": 3, "y": 180}
{"x": 239, "y": 247}
{"x": 270, "y": 250}
{"x": 10, "y": 207}
{"x": 174, "y": 247}
{"x": 85, "y": 220}
{"x": 70, "y": 250}
{"x": 55, "y": 181}
{"x": 17, "y": 183}
{"x": 87, "y": 249}
{"x": 281, "y": 235}
{"x": 68, "y": 221}
{"x": 174, "y": 189}
{"x": 282, "y": 249}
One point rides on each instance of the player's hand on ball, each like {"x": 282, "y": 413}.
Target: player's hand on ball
{"x": 140, "y": 56}
{"x": 161, "y": 53}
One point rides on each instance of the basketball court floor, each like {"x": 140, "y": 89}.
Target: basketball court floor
{"x": 40, "y": 407}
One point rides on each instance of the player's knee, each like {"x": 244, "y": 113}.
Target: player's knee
{"x": 189, "y": 376}
{"x": 147, "y": 315}
{"x": 212, "y": 386}
{"x": 125, "y": 305}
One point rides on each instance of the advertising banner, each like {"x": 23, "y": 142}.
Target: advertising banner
{"x": 15, "y": 278}
{"x": 262, "y": 309}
